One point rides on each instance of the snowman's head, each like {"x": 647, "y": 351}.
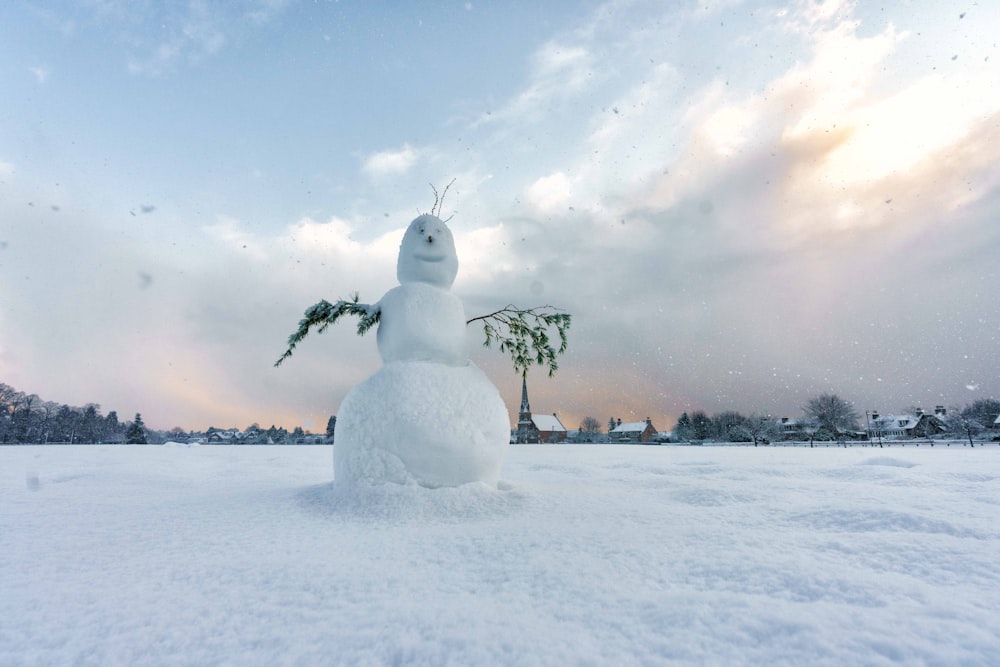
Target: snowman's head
{"x": 427, "y": 253}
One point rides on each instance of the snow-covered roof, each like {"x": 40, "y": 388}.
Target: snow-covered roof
{"x": 997, "y": 420}
{"x": 630, "y": 427}
{"x": 903, "y": 422}
{"x": 547, "y": 423}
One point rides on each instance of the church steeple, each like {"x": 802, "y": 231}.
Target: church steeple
{"x": 526, "y": 431}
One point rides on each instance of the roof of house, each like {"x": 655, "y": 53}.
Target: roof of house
{"x": 997, "y": 420}
{"x": 547, "y": 423}
{"x": 630, "y": 427}
{"x": 904, "y": 422}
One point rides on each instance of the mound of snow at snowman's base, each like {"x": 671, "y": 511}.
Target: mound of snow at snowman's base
{"x": 428, "y": 423}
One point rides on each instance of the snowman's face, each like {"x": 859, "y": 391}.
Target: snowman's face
{"x": 427, "y": 253}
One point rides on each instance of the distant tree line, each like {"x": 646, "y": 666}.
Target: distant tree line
{"x": 28, "y": 419}
{"x": 728, "y": 426}
{"x": 253, "y": 435}
{"x": 825, "y": 418}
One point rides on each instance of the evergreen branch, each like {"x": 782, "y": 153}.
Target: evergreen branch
{"x": 524, "y": 334}
{"x": 324, "y": 313}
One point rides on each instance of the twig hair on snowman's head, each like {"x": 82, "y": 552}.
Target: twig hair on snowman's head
{"x": 439, "y": 201}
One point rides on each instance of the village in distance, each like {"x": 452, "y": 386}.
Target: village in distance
{"x": 826, "y": 420}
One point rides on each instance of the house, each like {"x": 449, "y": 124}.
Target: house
{"x": 792, "y": 429}
{"x": 533, "y": 428}
{"x": 230, "y": 436}
{"x": 549, "y": 428}
{"x": 632, "y": 431}
{"x": 905, "y": 427}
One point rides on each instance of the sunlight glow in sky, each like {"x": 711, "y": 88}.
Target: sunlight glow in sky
{"x": 743, "y": 204}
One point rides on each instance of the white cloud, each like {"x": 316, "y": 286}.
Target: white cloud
{"x": 550, "y": 193}
{"x": 559, "y": 71}
{"x": 751, "y": 202}
{"x": 390, "y": 162}
{"x": 41, "y": 74}
{"x": 807, "y": 15}
{"x": 483, "y": 254}
{"x": 555, "y": 59}
{"x": 233, "y": 235}
{"x": 264, "y": 10}
{"x": 331, "y": 243}
{"x": 894, "y": 135}
{"x": 197, "y": 32}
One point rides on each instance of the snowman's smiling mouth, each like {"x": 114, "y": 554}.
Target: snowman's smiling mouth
{"x": 433, "y": 259}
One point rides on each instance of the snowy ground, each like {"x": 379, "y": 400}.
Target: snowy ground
{"x": 113, "y": 555}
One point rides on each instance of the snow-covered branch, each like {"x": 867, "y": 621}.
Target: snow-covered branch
{"x": 524, "y": 334}
{"x": 324, "y": 313}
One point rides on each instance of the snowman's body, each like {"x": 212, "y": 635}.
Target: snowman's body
{"x": 421, "y": 322}
{"x": 429, "y": 415}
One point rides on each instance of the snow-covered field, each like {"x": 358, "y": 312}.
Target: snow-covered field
{"x": 116, "y": 555}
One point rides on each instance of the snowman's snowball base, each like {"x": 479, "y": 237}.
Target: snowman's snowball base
{"x": 421, "y": 422}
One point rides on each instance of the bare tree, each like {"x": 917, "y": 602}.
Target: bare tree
{"x": 984, "y": 411}
{"x": 762, "y": 429}
{"x": 589, "y": 429}
{"x": 963, "y": 423}
{"x": 10, "y": 398}
{"x": 49, "y": 410}
{"x": 24, "y": 418}
{"x": 832, "y": 413}
{"x": 67, "y": 422}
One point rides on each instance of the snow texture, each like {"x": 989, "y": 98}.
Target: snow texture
{"x": 624, "y": 555}
{"x": 429, "y": 416}
{"x": 420, "y": 322}
{"x": 427, "y": 253}
{"x": 421, "y": 422}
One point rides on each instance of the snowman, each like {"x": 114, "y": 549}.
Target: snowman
{"x": 429, "y": 416}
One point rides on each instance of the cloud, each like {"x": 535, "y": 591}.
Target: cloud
{"x": 390, "y": 162}
{"x": 263, "y": 11}
{"x": 197, "y": 37}
{"x": 757, "y": 206}
{"x": 41, "y": 74}
{"x": 560, "y": 70}
{"x": 188, "y": 34}
{"x": 236, "y": 237}
{"x": 550, "y": 192}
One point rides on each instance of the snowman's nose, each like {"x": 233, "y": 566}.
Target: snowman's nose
{"x": 430, "y": 239}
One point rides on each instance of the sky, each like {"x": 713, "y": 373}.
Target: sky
{"x": 743, "y": 205}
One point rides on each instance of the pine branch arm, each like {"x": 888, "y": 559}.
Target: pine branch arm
{"x": 321, "y": 315}
{"x": 524, "y": 334}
